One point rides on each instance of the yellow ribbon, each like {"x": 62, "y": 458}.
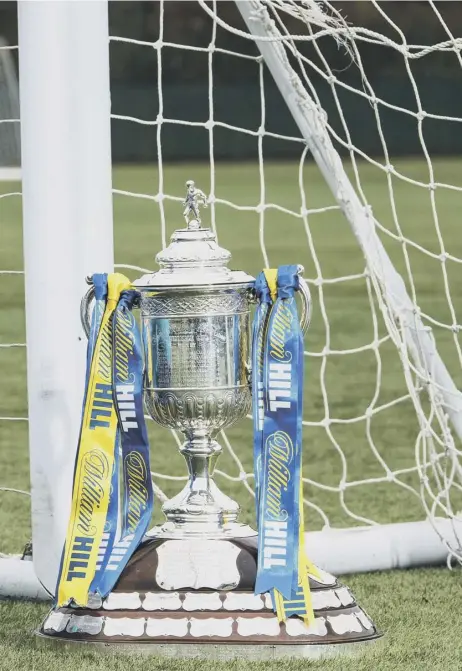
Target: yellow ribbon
{"x": 271, "y": 275}
{"x": 94, "y": 464}
{"x": 305, "y": 566}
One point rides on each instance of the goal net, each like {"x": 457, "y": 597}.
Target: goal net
{"x": 320, "y": 139}
{"x": 382, "y": 410}
{"x": 10, "y": 146}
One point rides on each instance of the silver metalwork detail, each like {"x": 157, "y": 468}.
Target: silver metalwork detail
{"x": 196, "y": 381}
{"x": 183, "y": 304}
{"x": 194, "y": 198}
{"x": 85, "y": 308}
{"x": 307, "y": 303}
{"x": 194, "y": 249}
{"x": 198, "y": 409}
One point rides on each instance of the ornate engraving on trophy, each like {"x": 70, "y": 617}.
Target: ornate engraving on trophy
{"x": 257, "y": 626}
{"x": 227, "y": 303}
{"x": 222, "y": 627}
{"x": 198, "y": 601}
{"x": 117, "y": 600}
{"x": 84, "y": 624}
{"x": 242, "y": 601}
{"x": 124, "y": 626}
{"x": 343, "y": 624}
{"x": 295, "y": 627}
{"x": 201, "y": 567}
{"x": 162, "y": 601}
{"x": 56, "y": 622}
{"x": 190, "y": 410}
{"x": 197, "y": 352}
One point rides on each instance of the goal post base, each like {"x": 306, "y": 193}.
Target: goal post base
{"x": 19, "y": 581}
{"x": 383, "y": 547}
{"x": 337, "y": 551}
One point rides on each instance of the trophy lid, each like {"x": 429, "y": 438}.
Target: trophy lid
{"x": 193, "y": 257}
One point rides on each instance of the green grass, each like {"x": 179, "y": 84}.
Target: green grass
{"x": 416, "y": 609}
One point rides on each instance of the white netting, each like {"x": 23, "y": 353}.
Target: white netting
{"x": 10, "y": 151}
{"x": 433, "y": 472}
{"x": 9, "y": 158}
{"x": 379, "y": 441}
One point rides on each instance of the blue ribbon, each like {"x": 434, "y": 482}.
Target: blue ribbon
{"x": 100, "y": 286}
{"x": 127, "y": 521}
{"x": 128, "y": 383}
{"x": 277, "y": 443}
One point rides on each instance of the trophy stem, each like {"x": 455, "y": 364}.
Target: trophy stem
{"x": 201, "y": 507}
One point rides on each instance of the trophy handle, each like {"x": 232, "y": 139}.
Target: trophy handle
{"x": 307, "y": 304}
{"x": 85, "y": 307}
{"x": 305, "y": 318}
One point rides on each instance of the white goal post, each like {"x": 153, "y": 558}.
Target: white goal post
{"x": 67, "y": 224}
{"x": 67, "y": 207}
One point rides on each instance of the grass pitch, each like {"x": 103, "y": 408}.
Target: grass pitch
{"x": 417, "y": 609}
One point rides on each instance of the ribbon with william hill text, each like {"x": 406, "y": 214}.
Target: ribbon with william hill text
{"x": 104, "y": 531}
{"x": 277, "y": 381}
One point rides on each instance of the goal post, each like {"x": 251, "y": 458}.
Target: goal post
{"x": 67, "y": 212}
{"x": 67, "y": 223}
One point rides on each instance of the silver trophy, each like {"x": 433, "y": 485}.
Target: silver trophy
{"x": 190, "y": 584}
{"x": 195, "y": 328}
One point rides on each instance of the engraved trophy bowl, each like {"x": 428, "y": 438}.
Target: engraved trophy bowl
{"x": 188, "y": 590}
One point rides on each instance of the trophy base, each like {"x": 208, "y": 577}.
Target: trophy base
{"x": 194, "y": 598}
